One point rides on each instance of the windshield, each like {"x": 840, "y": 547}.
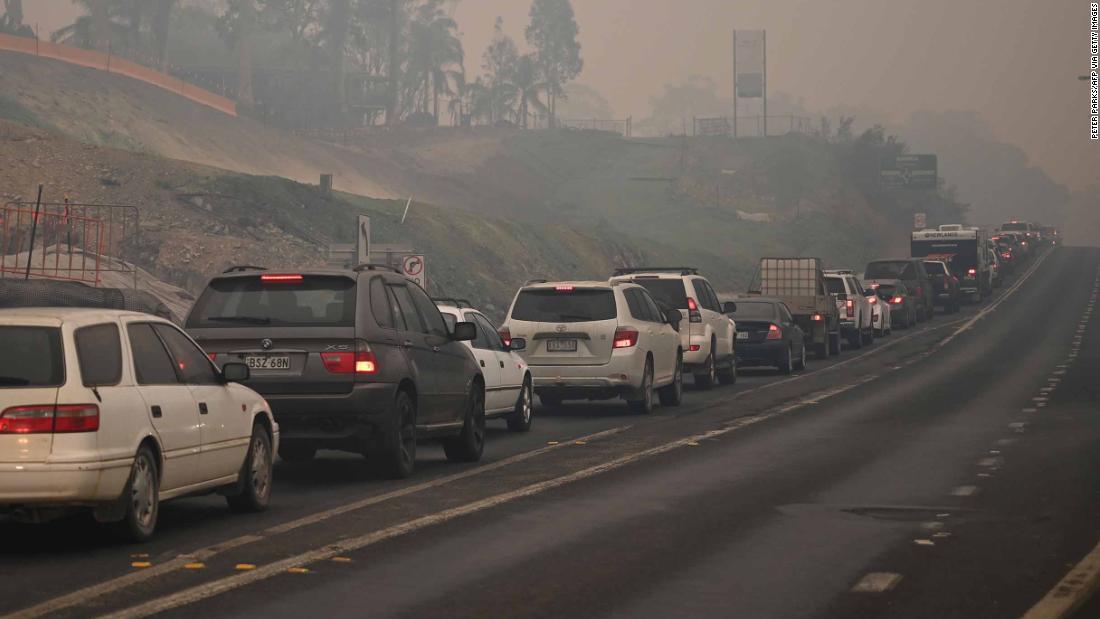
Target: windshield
{"x": 754, "y": 310}
{"x": 30, "y": 357}
{"x": 313, "y": 300}
{"x": 575, "y": 305}
{"x": 900, "y": 269}
{"x": 668, "y": 293}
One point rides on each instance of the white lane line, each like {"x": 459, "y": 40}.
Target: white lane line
{"x": 1030, "y": 410}
{"x": 964, "y": 491}
{"x": 877, "y": 582}
{"x": 89, "y": 593}
{"x": 1071, "y": 592}
{"x": 989, "y": 462}
{"x": 343, "y": 547}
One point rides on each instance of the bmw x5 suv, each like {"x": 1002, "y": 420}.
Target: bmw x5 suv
{"x": 355, "y": 360}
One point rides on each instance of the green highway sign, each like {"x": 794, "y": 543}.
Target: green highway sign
{"x": 909, "y": 171}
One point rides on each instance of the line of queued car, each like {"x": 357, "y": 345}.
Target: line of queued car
{"x": 116, "y": 411}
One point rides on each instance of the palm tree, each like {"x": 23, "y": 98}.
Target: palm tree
{"x": 435, "y": 54}
{"x": 527, "y": 85}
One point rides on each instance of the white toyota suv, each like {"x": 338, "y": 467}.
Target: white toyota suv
{"x": 508, "y": 386}
{"x": 856, "y": 313}
{"x": 117, "y": 411}
{"x": 596, "y": 341}
{"x": 709, "y": 338}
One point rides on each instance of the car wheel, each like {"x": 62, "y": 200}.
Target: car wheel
{"x": 786, "y": 364}
{"x": 855, "y": 340}
{"x": 296, "y": 452}
{"x": 644, "y": 405}
{"x": 520, "y": 419}
{"x": 396, "y": 457}
{"x": 255, "y": 478}
{"x": 709, "y": 376}
{"x": 727, "y": 375}
{"x": 869, "y": 336}
{"x": 801, "y": 365}
{"x": 834, "y": 344}
{"x": 142, "y": 496}
{"x": 673, "y": 394}
{"x": 470, "y": 442}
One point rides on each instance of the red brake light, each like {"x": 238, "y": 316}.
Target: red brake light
{"x": 897, "y": 300}
{"x": 564, "y": 288}
{"x": 695, "y": 347}
{"x": 213, "y": 356}
{"x": 851, "y": 307}
{"x": 817, "y": 318}
{"x": 692, "y": 305}
{"x": 44, "y": 419}
{"x": 774, "y": 333}
{"x": 625, "y": 338}
{"x": 506, "y": 335}
{"x": 1006, "y": 255}
{"x": 281, "y": 278}
{"x": 972, "y": 272}
{"x": 873, "y": 300}
{"x": 693, "y": 311}
{"x": 362, "y": 362}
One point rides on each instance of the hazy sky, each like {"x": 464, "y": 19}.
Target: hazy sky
{"x": 1015, "y": 61}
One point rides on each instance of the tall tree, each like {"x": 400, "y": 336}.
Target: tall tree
{"x": 162, "y": 16}
{"x": 236, "y": 27}
{"x": 101, "y": 24}
{"x": 11, "y": 21}
{"x": 499, "y": 63}
{"x": 528, "y": 85}
{"x": 435, "y": 54}
{"x": 553, "y": 33}
{"x": 336, "y": 29}
{"x": 393, "y": 72}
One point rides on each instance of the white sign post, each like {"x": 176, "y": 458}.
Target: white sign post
{"x": 919, "y": 221}
{"x": 414, "y": 268}
{"x": 362, "y": 240}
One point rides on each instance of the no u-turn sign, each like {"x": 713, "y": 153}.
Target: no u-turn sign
{"x": 414, "y": 268}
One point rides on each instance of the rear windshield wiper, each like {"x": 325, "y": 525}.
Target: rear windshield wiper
{"x": 255, "y": 320}
{"x": 14, "y": 381}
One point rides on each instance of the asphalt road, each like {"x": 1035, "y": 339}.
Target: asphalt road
{"x": 924, "y": 461}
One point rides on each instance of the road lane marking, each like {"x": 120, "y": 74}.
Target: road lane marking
{"x": 343, "y": 547}
{"x": 1071, "y": 592}
{"x": 877, "y": 582}
{"x": 107, "y": 587}
{"x": 964, "y": 491}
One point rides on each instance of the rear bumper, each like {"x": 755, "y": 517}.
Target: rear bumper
{"x": 357, "y": 414}
{"x": 587, "y": 382}
{"x": 761, "y": 353}
{"x": 60, "y": 485}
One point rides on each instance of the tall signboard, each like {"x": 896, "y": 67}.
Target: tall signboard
{"x": 750, "y": 71}
{"x": 362, "y": 240}
{"x": 909, "y": 172}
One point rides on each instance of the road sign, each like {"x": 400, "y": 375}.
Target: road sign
{"x": 414, "y": 268}
{"x": 362, "y": 240}
{"x": 919, "y": 221}
{"x": 909, "y": 171}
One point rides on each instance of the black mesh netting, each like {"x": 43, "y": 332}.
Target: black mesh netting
{"x": 42, "y": 293}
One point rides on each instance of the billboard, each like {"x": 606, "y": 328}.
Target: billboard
{"x": 749, "y": 57}
{"x": 909, "y": 172}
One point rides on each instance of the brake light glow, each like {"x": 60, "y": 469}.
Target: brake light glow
{"x": 873, "y": 300}
{"x": 47, "y": 418}
{"x": 1006, "y": 255}
{"x": 281, "y": 278}
{"x": 505, "y": 335}
{"x": 625, "y": 338}
{"x": 850, "y": 306}
{"x": 774, "y": 332}
{"x": 362, "y": 362}
{"x": 817, "y": 318}
{"x": 695, "y": 347}
{"x": 897, "y": 300}
{"x": 971, "y": 272}
{"x": 563, "y": 288}
{"x": 693, "y": 311}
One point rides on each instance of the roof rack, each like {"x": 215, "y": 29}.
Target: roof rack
{"x": 459, "y": 303}
{"x": 368, "y": 266}
{"x": 535, "y": 281}
{"x": 242, "y": 268}
{"x": 633, "y": 270}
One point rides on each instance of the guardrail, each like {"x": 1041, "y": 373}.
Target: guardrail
{"x": 108, "y": 63}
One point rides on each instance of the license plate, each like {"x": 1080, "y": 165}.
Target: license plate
{"x": 267, "y": 363}
{"x": 742, "y": 335}
{"x": 561, "y": 345}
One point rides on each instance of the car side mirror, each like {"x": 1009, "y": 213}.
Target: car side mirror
{"x": 464, "y": 332}
{"x": 674, "y": 318}
{"x": 729, "y": 307}
{"x": 518, "y": 344}
{"x": 235, "y": 372}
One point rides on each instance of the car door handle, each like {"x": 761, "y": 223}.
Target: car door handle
{"x": 157, "y": 413}
{"x": 502, "y": 365}
{"x": 482, "y": 362}
{"x": 203, "y": 409}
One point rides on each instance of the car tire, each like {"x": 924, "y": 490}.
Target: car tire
{"x": 800, "y": 365}
{"x": 296, "y": 452}
{"x": 855, "y": 340}
{"x": 786, "y": 364}
{"x": 470, "y": 442}
{"x": 869, "y": 336}
{"x": 709, "y": 376}
{"x": 673, "y": 394}
{"x": 256, "y": 475}
{"x": 727, "y": 375}
{"x": 396, "y": 456}
{"x": 142, "y": 498}
{"x": 521, "y": 418}
{"x": 644, "y": 405}
{"x": 834, "y": 344}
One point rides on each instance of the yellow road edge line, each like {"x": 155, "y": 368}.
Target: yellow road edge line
{"x": 1075, "y": 588}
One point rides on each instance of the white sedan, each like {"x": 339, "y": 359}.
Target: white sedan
{"x": 117, "y": 411}
{"x": 880, "y": 312}
{"x": 508, "y": 391}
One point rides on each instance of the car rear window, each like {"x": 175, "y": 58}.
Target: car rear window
{"x": 667, "y": 293}
{"x": 1018, "y": 226}
{"x": 575, "y": 305}
{"x": 935, "y": 268}
{"x": 890, "y": 270}
{"x": 835, "y": 285}
{"x": 313, "y": 300}
{"x": 31, "y": 357}
{"x": 754, "y": 310}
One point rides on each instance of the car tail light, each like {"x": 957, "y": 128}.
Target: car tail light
{"x": 362, "y": 362}
{"x": 1006, "y": 255}
{"x": 873, "y": 300}
{"x": 774, "y": 332}
{"x": 971, "y": 272}
{"x": 850, "y": 307}
{"x": 505, "y": 335}
{"x": 48, "y": 418}
{"x": 625, "y": 338}
{"x": 817, "y": 318}
{"x": 897, "y": 300}
{"x": 563, "y": 288}
{"x": 695, "y": 347}
{"x": 693, "y": 311}
{"x": 213, "y": 356}
{"x": 280, "y": 278}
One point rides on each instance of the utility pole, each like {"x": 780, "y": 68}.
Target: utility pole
{"x": 735, "y": 83}
{"x": 765, "y": 92}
